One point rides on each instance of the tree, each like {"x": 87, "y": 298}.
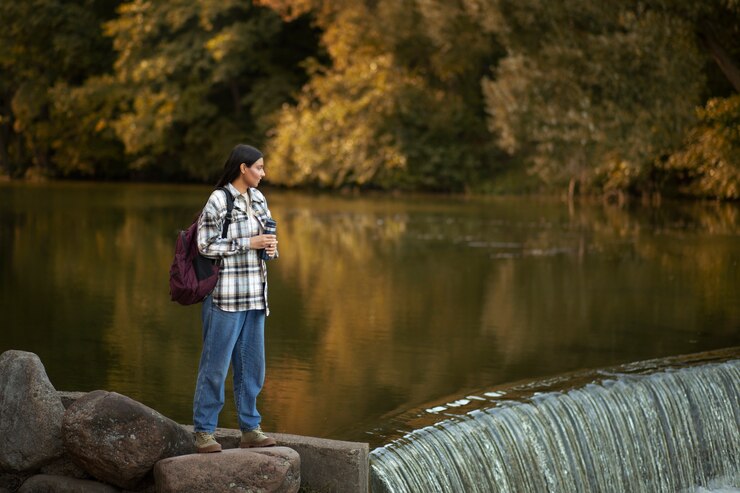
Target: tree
{"x": 85, "y": 144}
{"x": 709, "y": 163}
{"x": 46, "y": 43}
{"x": 592, "y": 92}
{"x": 717, "y": 26}
{"x": 399, "y": 104}
{"x": 198, "y": 77}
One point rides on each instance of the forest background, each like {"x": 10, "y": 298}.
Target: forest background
{"x": 478, "y": 96}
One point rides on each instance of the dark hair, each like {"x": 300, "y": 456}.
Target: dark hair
{"x": 241, "y": 153}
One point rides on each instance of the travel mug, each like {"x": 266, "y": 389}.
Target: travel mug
{"x": 270, "y": 229}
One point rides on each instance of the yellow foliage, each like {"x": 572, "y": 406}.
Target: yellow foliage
{"x": 710, "y": 158}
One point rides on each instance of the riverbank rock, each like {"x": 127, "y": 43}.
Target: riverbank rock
{"x": 11, "y": 482}
{"x": 273, "y": 469}
{"x": 46, "y": 483}
{"x": 64, "y": 467}
{"x": 30, "y": 413}
{"x": 118, "y": 440}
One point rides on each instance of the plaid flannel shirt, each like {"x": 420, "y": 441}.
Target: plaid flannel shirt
{"x": 242, "y": 282}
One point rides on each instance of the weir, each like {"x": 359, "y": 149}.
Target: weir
{"x": 666, "y": 430}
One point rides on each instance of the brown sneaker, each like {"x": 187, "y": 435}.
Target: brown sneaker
{"x": 205, "y": 443}
{"x": 256, "y": 438}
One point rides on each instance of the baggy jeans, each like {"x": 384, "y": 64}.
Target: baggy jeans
{"x": 237, "y": 338}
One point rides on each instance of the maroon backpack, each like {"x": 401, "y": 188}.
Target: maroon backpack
{"x": 193, "y": 276}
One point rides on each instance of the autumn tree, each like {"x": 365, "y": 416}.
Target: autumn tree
{"x": 398, "y": 105}
{"x": 598, "y": 93}
{"x": 708, "y": 165}
{"x": 442, "y": 95}
{"x": 198, "y": 77}
{"x": 49, "y": 47}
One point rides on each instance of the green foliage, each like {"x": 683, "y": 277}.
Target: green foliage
{"x": 45, "y": 42}
{"x": 594, "y": 87}
{"x": 84, "y": 143}
{"x": 709, "y": 163}
{"x": 444, "y": 95}
{"x": 141, "y": 89}
{"x": 198, "y": 77}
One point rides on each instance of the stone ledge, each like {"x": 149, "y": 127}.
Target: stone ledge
{"x": 274, "y": 469}
{"x": 326, "y": 465}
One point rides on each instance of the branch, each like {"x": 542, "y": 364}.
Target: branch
{"x": 723, "y": 59}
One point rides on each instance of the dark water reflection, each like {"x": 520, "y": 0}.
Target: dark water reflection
{"x": 380, "y": 305}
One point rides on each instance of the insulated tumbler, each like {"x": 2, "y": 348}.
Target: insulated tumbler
{"x": 270, "y": 229}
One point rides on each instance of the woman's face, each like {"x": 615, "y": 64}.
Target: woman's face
{"x": 253, "y": 174}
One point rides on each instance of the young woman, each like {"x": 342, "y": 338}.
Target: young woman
{"x": 234, "y": 313}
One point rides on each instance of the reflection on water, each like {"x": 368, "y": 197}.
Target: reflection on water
{"x": 380, "y": 305}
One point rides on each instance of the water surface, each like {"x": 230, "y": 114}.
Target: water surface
{"x": 380, "y": 305}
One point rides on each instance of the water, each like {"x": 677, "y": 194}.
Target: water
{"x": 669, "y": 431}
{"x": 382, "y": 307}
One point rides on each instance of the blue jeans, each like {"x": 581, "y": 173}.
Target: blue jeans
{"x": 237, "y": 338}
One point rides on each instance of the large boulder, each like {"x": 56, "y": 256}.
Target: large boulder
{"x": 118, "y": 440}
{"x": 268, "y": 470}
{"x": 47, "y": 483}
{"x": 64, "y": 467}
{"x": 30, "y": 413}
{"x": 12, "y": 481}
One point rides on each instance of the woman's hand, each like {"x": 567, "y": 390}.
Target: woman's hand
{"x": 270, "y": 250}
{"x": 268, "y": 242}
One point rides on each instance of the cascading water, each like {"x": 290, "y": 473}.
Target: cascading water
{"x": 669, "y": 431}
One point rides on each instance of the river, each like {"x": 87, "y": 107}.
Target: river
{"x": 380, "y": 304}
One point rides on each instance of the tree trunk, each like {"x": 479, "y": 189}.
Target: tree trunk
{"x": 723, "y": 59}
{"x": 572, "y": 189}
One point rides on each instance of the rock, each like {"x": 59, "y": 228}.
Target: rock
{"x": 64, "y": 467}
{"x": 273, "y": 469}
{"x": 47, "y": 483}
{"x": 326, "y": 465}
{"x": 118, "y": 440}
{"x": 11, "y": 481}
{"x": 330, "y": 465}
{"x": 30, "y": 413}
{"x": 150, "y": 487}
{"x": 68, "y": 398}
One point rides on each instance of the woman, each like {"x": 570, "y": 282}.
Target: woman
{"x": 234, "y": 313}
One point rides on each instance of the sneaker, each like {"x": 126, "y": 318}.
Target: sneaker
{"x": 205, "y": 443}
{"x": 256, "y": 438}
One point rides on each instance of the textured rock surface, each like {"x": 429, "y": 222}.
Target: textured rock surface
{"x": 118, "y": 440}
{"x": 330, "y": 466}
{"x": 273, "y": 469}
{"x": 30, "y": 413}
{"x": 64, "y": 467}
{"x": 68, "y": 398}
{"x": 46, "y": 483}
{"x": 11, "y": 482}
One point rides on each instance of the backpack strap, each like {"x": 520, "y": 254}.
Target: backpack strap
{"x": 229, "y": 207}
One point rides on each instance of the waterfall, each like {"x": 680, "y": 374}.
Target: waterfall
{"x": 669, "y": 431}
